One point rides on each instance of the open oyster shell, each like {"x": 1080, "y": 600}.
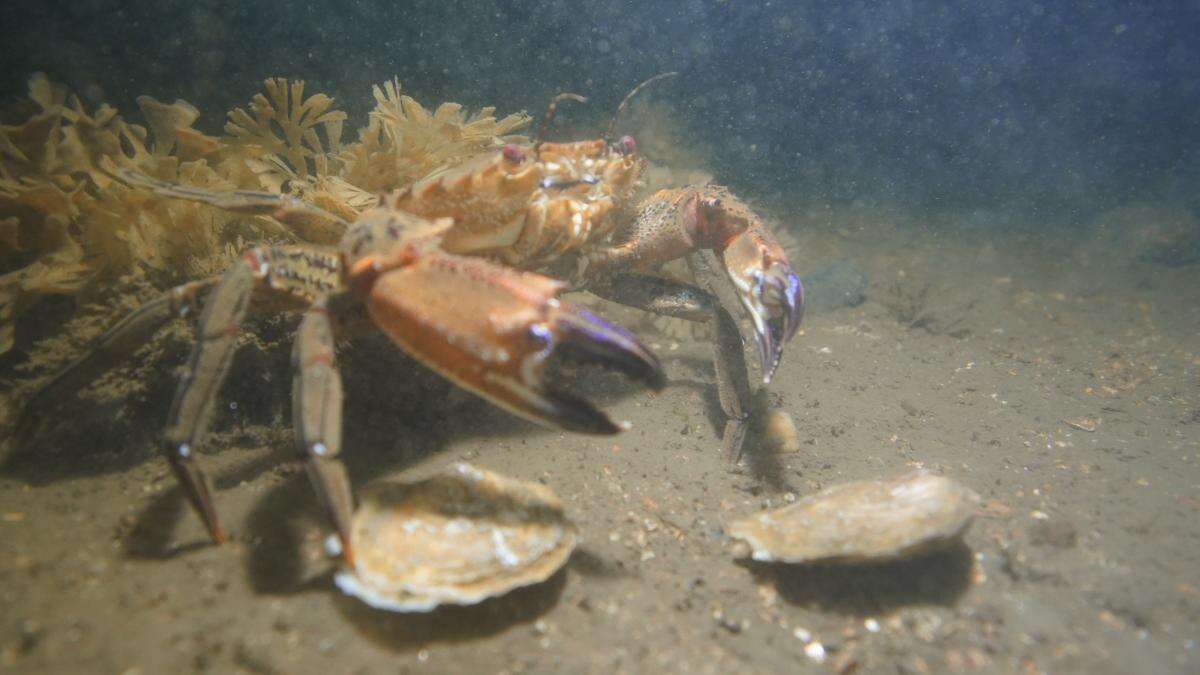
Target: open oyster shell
{"x": 862, "y": 522}
{"x": 459, "y": 538}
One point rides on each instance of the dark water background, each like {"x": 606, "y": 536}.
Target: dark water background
{"x": 1055, "y": 108}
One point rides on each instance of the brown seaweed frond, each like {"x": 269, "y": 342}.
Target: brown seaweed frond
{"x": 284, "y": 124}
{"x": 30, "y": 148}
{"x": 89, "y": 138}
{"x": 38, "y": 206}
{"x": 68, "y": 224}
{"x": 124, "y": 228}
{"x": 43, "y": 257}
{"x": 165, "y": 121}
{"x": 404, "y": 141}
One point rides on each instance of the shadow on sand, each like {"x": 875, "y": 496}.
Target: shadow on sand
{"x": 936, "y": 578}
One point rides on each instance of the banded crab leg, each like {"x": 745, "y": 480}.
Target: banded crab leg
{"x": 299, "y": 274}
{"x": 216, "y": 340}
{"x": 733, "y": 382}
{"x": 313, "y": 224}
{"x": 317, "y": 419}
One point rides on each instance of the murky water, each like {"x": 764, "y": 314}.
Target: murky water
{"x": 991, "y": 209}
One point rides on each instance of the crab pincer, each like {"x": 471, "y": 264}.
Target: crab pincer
{"x": 493, "y": 330}
{"x": 757, "y": 266}
{"x": 769, "y": 290}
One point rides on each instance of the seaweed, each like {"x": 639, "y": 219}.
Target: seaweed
{"x": 404, "y": 141}
{"x": 281, "y": 131}
{"x": 69, "y": 227}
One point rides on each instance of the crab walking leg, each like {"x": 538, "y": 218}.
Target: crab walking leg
{"x": 238, "y": 201}
{"x": 317, "y": 419}
{"x": 733, "y": 383}
{"x": 311, "y": 223}
{"x": 116, "y": 344}
{"x": 685, "y": 301}
{"x": 207, "y": 367}
{"x": 733, "y": 380}
{"x": 657, "y": 295}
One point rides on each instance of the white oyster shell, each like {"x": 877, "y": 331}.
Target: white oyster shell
{"x": 863, "y": 521}
{"x": 459, "y": 537}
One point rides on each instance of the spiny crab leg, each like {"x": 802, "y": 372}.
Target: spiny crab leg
{"x": 498, "y": 334}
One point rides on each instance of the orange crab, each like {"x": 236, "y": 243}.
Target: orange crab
{"x": 534, "y": 205}
{"x": 489, "y": 328}
{"x": 447, "y": 269}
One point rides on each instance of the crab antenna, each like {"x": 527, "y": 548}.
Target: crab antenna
{"x": 551, "y": 110}
{"x": 612, "y": 128}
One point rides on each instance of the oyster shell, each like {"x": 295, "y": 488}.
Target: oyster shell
{"x": 862, "y": 522}
{"x": 460, "y": 537}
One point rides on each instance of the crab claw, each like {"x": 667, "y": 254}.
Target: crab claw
{"x": 769, "y": 290}
{"x": 492, "y": 330}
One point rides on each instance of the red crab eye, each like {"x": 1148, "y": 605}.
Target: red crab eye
{"x": 513, "y": 153}
{"x": 627, "y": 146}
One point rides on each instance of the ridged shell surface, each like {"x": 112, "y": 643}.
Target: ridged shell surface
{"x": 459, "y": 538}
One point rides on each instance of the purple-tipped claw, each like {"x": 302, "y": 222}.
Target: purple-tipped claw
{"x": 578, "y": 335}
{"x": 772, "y": 295}
{"x": 588, "y": 337}
{"x": 499, "y": 342}
{"x": 775, "y": 302}
{"x": 789, "y": 294}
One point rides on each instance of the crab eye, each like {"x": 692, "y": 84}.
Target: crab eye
{"x": 627, "y": 146}
{"x": 513, "y": 153}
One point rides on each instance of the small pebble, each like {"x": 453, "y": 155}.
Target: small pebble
{"x": 780, "y": 434}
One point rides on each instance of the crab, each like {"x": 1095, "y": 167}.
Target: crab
{"x": 532, "y": 206}
{"x": 489, "y": 328}
{"x": 448, "y": 268}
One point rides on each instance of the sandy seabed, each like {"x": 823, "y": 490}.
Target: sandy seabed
{"x": 1058, "y": 376}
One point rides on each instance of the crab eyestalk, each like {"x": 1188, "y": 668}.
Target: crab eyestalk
{"x": 769, "y": 290}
